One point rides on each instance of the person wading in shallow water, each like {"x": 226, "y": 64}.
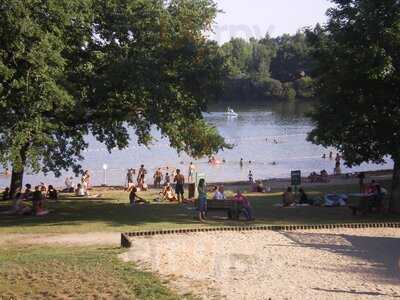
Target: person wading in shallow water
{"x": 179, "y": 186}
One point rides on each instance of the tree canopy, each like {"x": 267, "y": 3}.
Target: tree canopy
{"x": 358, "y": 83}
{"x": 70, "y": 68}
{"x": 270, "y": 67}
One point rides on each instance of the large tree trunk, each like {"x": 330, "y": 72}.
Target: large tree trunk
{"x": 395, "y": 200}
{"x": 16, "y": 181}
{"x": 18, "y": 172}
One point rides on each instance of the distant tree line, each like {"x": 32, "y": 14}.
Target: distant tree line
{"x": 268, "y": 68}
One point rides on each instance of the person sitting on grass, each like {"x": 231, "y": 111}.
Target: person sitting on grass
{"x": 288, "y": 197}
{"x": 168, "y": 194}
{"x": 6, "y": 194}
{"x": 133, "y": 196}
{"x": 202, "y": 204}
{"x": 27, "y": 195}
{"x": 245, "y": 203}
{"x": 52, "y": 193}
{"x": 80, "y": 191}
{"x": 304, "y": 198}
{"x": 37, "y": 200}
{"x": 18, "y": 206}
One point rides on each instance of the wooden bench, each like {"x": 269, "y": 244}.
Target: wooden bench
{"x": 232, "y": 208}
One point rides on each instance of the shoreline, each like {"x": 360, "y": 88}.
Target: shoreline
{"x": 346, "y": 178}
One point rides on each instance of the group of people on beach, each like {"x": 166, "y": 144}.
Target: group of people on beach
{"x": 82, "y": 188}
{"x": 167, "y": 193}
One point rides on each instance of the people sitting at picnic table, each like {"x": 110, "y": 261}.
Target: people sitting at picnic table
{"x": 245, "y": 203}
{"x": 168, "y": 194}
{"x": 219, "y": 193}
{"x": 202, "y": 203}
{"x": 288, "y": 197}
{"x": 133, "y": 196}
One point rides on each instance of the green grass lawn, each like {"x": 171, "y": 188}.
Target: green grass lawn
{"x": 112, "y": 213}
{"x": 74, "y": 273}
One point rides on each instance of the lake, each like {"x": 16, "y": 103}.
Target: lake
{"x": 253, "y": 133}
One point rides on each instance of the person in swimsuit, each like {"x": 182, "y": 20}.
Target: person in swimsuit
{"x": 157, "y": 178}
{"x": 179, "y": 185}
{"x": 192, "y": 170}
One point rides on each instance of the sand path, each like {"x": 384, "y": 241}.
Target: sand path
{"x": 335, "y": 264}
{"x": 71, "y": 239}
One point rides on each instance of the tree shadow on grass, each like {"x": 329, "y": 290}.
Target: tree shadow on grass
{"x": 379, "y": 257}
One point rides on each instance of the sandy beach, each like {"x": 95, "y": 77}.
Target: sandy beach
{"x": 321, "y": 264}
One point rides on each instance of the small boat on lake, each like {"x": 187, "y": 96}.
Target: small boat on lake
{"x": 231, "y": 113}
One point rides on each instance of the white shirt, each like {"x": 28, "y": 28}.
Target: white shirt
{"x": 219, "y": 196}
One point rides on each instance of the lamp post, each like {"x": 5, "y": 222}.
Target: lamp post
{"x": 105, "y": 167}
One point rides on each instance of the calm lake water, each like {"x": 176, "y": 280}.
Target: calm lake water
{"x": 284, "y": 122}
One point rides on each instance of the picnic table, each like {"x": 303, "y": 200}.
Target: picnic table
{"x": 232, "y": 208}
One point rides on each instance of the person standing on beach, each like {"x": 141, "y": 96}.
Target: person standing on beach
{"x": 179, "y": 185}
{"x": 129, "y": 177}
{"x": 251, "y": 179}
{"x": 192, "y": 170}
{"x": 241, "y": 162}
{"x": 167, "y": 179}
{"x": 141, "y": 174}
{"x": 157, "y": 178}
{"x": 202, "y": 205}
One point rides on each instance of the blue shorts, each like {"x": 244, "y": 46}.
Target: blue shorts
{"x": 202, "y": 204}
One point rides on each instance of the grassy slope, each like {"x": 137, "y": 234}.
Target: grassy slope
{"x": 112, "y": 213}
{"x": 74, "y": 273}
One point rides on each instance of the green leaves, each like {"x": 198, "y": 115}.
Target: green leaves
{"x": 69, "y": 68}
{"x": 357, "y": 81}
